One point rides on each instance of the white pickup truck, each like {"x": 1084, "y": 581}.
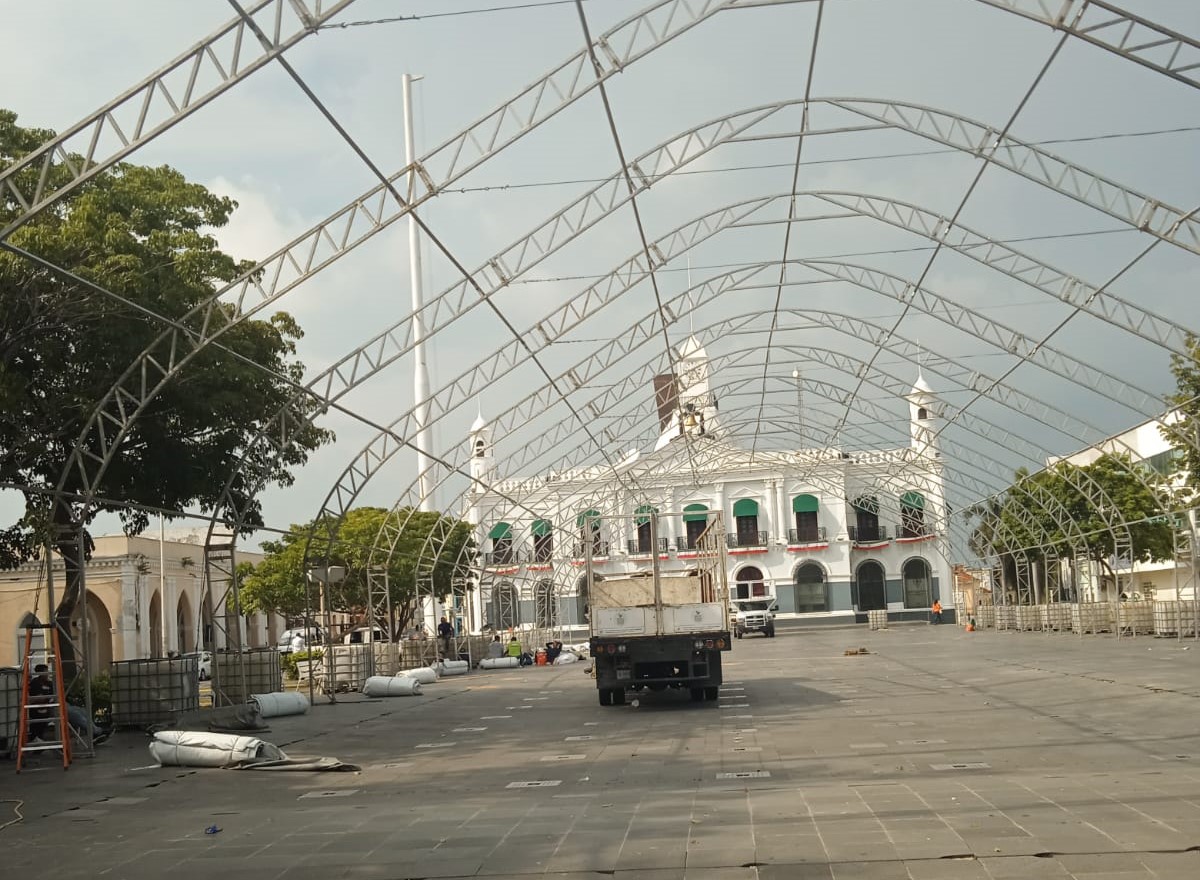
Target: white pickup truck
{"x": 754, "y": 615}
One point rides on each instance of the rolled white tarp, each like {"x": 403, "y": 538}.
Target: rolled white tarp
{"x": 566, "y": 657}
{"x": 455, "y": 667}
{"x": 499, "y": 663}
{"x": 391, "y": 686}
{"x": 198, "y": 748}
{"x": 275, "y": 705}
{"x": 425, "y": 674}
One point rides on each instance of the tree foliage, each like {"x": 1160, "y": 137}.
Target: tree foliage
{"x": 143, "y": 234}
{"x": 428, "y": 544}
{"x": 1184, "y": 435}
{"x": 1066, "y": 508}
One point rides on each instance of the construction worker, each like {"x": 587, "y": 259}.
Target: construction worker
{"x": 937, "y": 611}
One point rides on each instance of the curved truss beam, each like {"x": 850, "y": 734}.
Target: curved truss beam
{"x": 166, "y": 97}
{"x": 513, "y": 262}
{"x": 1113, "y": 29}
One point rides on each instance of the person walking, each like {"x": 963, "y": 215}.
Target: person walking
{"x": 445, "y": 633}
{"x": 937, "y": 611}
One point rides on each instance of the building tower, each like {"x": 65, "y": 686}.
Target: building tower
{"x": 697, "y": 408}
{"x": 923, "y": 418}
{"x": 483, "y": 462}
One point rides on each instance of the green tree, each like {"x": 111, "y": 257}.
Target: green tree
{"x": 1184, "y": 435}
{"x": 427, "y": 544}
{"x": 144, "y": 234}
{"x": 1033, "y": 528}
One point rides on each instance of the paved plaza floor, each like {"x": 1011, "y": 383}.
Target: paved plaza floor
{"x": 940, "y": 754}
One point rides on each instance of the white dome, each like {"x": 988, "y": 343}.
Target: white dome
{"x": 921, "y": 386}
{"x": 479, "y": 424}
{"x": 692, "y": 348}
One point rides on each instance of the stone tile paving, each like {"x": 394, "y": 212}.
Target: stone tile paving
{"x": 938, "y": 755}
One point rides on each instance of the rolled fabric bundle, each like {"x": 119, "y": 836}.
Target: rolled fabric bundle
{"x": 455, "y": 664}
{"x": 195, "y": 748}
{"x": 424, "y": 674}
{"x": 275, "y": 705}
{"x": 499, "y": 663}
{"x": 391, "y": 686}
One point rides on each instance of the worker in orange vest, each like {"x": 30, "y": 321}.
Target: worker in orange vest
{"x": 937, "y": 611}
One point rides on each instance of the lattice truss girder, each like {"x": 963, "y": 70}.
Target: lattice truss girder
{"x": 894, "y": 384}
{"x": 125, "y": 402}
{"x": 1116, "y": 30}
{"x": 182, "y": 86}
{"x": 389, "y": 345}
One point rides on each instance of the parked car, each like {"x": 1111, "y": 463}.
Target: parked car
{"x": 311, "y": 636}
{"x": 754, "y": 615}
{"x": 361, "y": 634}
{"x": 203, "y": 663}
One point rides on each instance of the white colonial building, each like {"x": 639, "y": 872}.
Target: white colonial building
{"x": 829, "y": 534}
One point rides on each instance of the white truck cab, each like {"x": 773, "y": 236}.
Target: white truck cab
{"x": 753, "y": 615}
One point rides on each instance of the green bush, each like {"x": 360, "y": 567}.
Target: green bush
{"x": 290, "y": 661}
{"x": 101, "y": 694}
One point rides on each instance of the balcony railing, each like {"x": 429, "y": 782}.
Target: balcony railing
{"x": 599, "y": 548}
{"x": 746, "y": 539}
{"x": 643, "y": 547}
{"x": 813, "y": 535}
{"x": 868, "y": 534}
{"x": 682, "y": 542}
{"x": 913, "y": 530}
{"x": 503, "y": 557}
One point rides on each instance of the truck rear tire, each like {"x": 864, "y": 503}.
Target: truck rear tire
{"x": 697, "y": 695}
{"x": 711, "y": 692}
{"x": 606, "y": 697}
{"x": 737, "y": 633}
{"x": 618, "y": 697}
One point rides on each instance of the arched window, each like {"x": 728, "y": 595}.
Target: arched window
{"x": 811, "y": 593}
{"x": 544, "y": 608}
{"x": 480, "y": 447}
{"x": 922, "y": 414}
{"x": 866, "y": 519}
{"x": 506, "y": 606}
{"x": 588, "y": 523}
{"x": 641, "y": 519}
{"x": 748, "y": 584}
{"x": 502, "y": 544}
{"x": 912, "y": 515}
{"x": 745, "y": 516}
{"x": 871, "y": 588}
{"x": 543, "y": 540}
{"x": 695, "y": 521}
{"x": 917, "y": 593}
{"x": 804, "y": 509}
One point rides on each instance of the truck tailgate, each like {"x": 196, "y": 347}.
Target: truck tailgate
{"x": 695, "y": 617}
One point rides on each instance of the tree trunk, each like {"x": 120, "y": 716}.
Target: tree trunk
{"x": 68, "y": 535}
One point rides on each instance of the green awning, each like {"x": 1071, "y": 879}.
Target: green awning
{"x": 914, "y": 500}
{"x": 745, "y": 507}
{"x": 805, "y": 504}
{"x": 643, "y": 514}
{"x": 541, "y": 527}
{"x": 500, "y": 530}
{"x": 866, "y": 503}
{"x": 588, "y": 514}
{"x": 695, "y": 513}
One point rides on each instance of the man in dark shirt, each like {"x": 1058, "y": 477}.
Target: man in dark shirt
{"x": 41, "y": 690}
{"x": 445, "y": 633}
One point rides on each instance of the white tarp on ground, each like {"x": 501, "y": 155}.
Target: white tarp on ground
{"x": 195, "y": 748}
{"x": 566, "y": 657}
{"x": 425, "y": 674}
{"x": 276, "y": 705}
{"x": 391, "y": 686}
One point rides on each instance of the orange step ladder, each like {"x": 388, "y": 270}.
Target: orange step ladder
{"x": 44, "y": 710}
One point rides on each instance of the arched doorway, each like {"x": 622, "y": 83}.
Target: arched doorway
{"x": 506, "y": 609}
{"x": 156, "y": 631}
{"x": 872, "y": 591}
{"x": 581, "y": 600}
{"x": 917, "y": 583}
{"x": 545, "y": 614}
{"x": 184, "y": 630}
{"x": 811, "y": 590}
{"x": 748, "y": 583}
{"x": 98, "y": 652}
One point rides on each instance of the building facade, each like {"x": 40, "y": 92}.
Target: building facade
{"x": 145, "y": 599}
{"x": 828, "y": 534}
